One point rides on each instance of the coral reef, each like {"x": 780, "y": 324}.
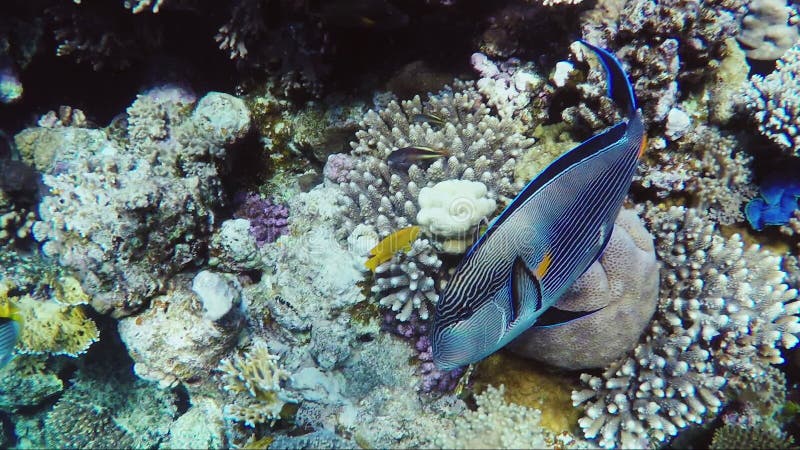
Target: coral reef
{"x": 232, "y": 247}
{"x": 622, "y": 285}
{"x": 174, "y": 340}
{"x": 756, "y": 437}
{"x": 256, "y": 379}
{"x": 26, "y": 382}
{"x": 709, "y": 168}
{"x": 766, "y": 32}
{"x": 724, "y": 313}
{"x": 498, "y": 424}
{"x": 451, "y": 210}
{"x": 122, "y": 236}
{"x": 667, "y": 45}
{"x": 482, "y": 148}
{"x": 202, "y": 425}
{"x": 268, "y": 220}
{"x": 109, "y": 408}
{"x": 773, "y": 102}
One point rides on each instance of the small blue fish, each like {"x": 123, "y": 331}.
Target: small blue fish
{"x": 542, "y": 242}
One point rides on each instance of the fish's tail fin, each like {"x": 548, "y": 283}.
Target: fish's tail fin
{"x": 619, "y": 87}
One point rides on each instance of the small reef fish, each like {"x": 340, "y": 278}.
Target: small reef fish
{"x": 403, "y": 158}
{"x": 359, "y": 14}
{"x": 430, "y": 118}
{"x": 10, "y": 320}
{"x": 555, "y": 228}
{"x": 400, "y": 240}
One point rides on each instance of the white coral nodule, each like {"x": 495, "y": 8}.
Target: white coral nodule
{"x": 258, "y": 376}
{"x": 452, "y": 210}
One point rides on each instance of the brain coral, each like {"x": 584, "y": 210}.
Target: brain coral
{"x": 624, "y": 283}
{"x": 122, "y": 236}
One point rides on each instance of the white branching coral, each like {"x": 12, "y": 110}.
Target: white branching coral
{"x": 407, "y": 281}
{"x": 774, "y": 102}
{"x": 482, "y": 147}
{"x": 723, "y": 313}
{"x": 257, "y": 380}
{"x": 709, "y": 167}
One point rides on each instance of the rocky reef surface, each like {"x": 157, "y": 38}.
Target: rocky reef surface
{"x": 242, "y": 243}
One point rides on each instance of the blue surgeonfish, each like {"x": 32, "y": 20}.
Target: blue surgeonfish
{"x": 554, "y": 229}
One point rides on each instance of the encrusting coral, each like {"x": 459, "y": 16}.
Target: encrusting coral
{"x": 256, "y": 378}
{"x": 51, "y": 327}
{"x": 124, "y": 238}
{"x": 166, "y": 349}
{"x": 724, "y": 312}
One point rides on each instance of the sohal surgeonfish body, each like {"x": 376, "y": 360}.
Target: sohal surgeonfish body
{"x": 555, "y": 228}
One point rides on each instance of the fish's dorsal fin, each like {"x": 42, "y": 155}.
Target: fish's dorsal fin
{"x": 524, "y": 286}
{"x": 619, "y": 87}
{"x": 553, "y": 317}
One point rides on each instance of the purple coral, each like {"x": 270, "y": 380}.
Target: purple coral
{"x": 338, "y": 167}
{"x": 416, "y": 331}
{"x": 268, "y": 220}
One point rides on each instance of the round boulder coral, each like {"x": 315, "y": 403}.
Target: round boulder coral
{"x": 622, "y": 286}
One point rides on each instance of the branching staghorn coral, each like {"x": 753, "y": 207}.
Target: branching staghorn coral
{"x": 709, "y": 168}
{"x": 481, "y": 146}
{"x": 408, "y": 281}
{"x": 256, "y": 379}
{"x": 724, "y": 312}
{"x": 500, "y": 424}
{"x": 774, "y": 103}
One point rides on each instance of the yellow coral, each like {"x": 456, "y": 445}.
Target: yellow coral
{"x": 52, "y": 328}
{"x": 68, "y": 291}
{"x": 258, "y": 376}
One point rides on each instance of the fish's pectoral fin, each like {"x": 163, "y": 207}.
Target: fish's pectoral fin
{"x": 524, "y": 285}
{"x": 553, "y": 317}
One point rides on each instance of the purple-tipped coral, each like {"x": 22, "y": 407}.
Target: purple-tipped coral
{"x": 338, "y": 167}
{"x": 416, "y": 331}
{"x": 268, "y": 220}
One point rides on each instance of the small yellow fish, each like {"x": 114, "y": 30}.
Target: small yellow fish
{"x": 400, "y": 240}
{"x": 10, "y": 321}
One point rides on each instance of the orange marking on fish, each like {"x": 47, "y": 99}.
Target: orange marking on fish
{"x": 643, "y": 147}
{"x": 544, "y": 266}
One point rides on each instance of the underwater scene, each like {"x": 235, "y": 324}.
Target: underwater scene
{"x": 358, "y": 224}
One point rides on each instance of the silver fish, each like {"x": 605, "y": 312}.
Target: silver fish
{"x": 555, "y": 228}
